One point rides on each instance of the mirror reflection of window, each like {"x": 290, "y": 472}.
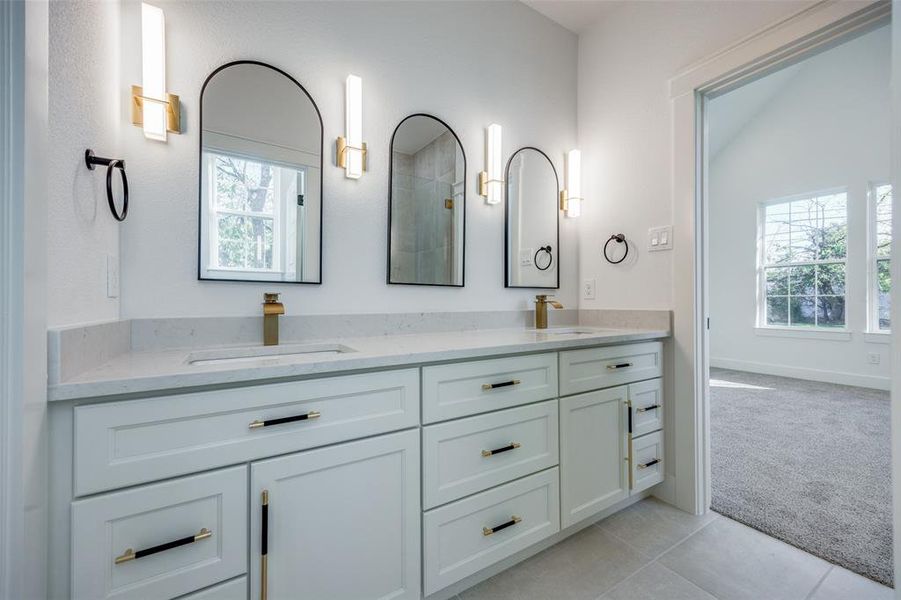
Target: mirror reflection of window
{"x": 532, "y": 196}
{"x": 428, "y": 174}
{"x": 261, "y": 163}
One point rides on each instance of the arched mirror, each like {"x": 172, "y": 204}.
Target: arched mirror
{"x": 532, "y": 237}
{"x": 260, "y": 177}
{"x": 427, "y": 208}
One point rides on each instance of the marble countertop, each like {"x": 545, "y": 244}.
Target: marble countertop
{"x": 155, "y": 371}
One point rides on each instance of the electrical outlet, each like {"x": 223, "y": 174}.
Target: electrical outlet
{"x": 588, "y": 289}
{"x": 112, "y": 276}
{"x": 874, "y": 358}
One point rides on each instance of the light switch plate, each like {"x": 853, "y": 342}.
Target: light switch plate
{"x": 588, "y": 289}
{"x": 660, "y": 238}
{"x": 525, "y": 257}
{"x": 112, "y": 276}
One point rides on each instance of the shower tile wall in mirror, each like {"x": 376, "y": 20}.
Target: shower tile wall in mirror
{"x": 533, "y": 244}
{"x": 260, "y": 177}
{"x": 428, "y": 204}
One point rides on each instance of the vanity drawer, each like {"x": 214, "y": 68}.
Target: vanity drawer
{"x": 236, "y": 589}
{"x": 647, "y": 461}
{"x": 596, "y": 368}
{"x": 161, "y": 540}
{"x": 123, "y": 443}
{"x": 465, "y": 537}
{"x": 470, "y": 455}
{"x": 646, "y": 398}
{"x": 469, "y": 388}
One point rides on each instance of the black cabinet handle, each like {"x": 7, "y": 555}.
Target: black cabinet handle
{"x": 130, "y": 554}
{"x": 647, "y": 408}
{"x": 270, "y": 422}
{"x": 619, "y": 366}
{"x": 491, "y": 386}
{"x": 649, "y": 463}
{"x": 513, "y": 521}
{"x": 507, "y": 448}
{"x": 264, "y": 545}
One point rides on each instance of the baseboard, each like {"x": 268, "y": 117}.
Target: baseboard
{"x": 867, "y": 381}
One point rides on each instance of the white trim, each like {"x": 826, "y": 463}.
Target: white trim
{"x": 837, "y": 377}
{"x": 881, "y": 337}
{"x": 813, "y": 333}
{"x": 872, "y": 279}
{"x": 12, "y": 265}
{"x": 785, "y": 42}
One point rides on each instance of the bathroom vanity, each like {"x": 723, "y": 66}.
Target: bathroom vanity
{"x": 400, "y": 466}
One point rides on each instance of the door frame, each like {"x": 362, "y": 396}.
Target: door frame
{"x": 815, "y": 28}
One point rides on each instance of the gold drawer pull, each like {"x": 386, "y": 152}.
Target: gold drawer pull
{"x": 513, "y": 521}
{"x": 619, "y": 366}
{"x": 650, "y": 463}
{"x": 269, "y": 422}
{"x": 132, "y": 555}
{"x": 491, "y": 386}
{"x": 647, "y": 408}
{"x": 507, "y": 448}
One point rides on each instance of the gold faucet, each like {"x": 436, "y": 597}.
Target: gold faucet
{"x": 541, "y": 302}
{"x": 272, "y": 308}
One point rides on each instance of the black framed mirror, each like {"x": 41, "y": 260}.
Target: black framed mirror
{"x": 427, "y": 204}
{"x": 532, "y": 237}
{"x": 261, "y": 163}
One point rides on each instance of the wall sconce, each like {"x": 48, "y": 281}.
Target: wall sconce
{"x": 571, "y": 197}
{"x": 151, "y": 107}
{"x": 490, "y": 180}
{"x": 350, "y": 151}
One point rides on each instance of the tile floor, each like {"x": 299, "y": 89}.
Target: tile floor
{"x": 652, "y": 551}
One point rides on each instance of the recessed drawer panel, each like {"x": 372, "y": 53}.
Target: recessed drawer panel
{"x": 468, "y": 535}
{"x": 647, "y": 461}
{"x": 469, "y": 388}
{"x": 135, "y": 441}
{"x": 162, "y": 540}
{"x": 470, "y": 455}
{"x": 596, "y": 368}
{"x": 236, "y": 589}
{"x": 646, "y": 398}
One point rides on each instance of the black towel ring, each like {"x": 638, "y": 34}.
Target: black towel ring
{"x": 110, "y": 163}
{"x": 619, "y": 239}
{"x": 549, "y": 255}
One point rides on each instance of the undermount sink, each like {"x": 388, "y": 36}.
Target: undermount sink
{"x": 265, "y": 353}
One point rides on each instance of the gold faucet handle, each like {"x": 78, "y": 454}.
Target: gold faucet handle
{"x": 270, "y": 297}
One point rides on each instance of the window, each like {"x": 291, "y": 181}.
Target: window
{"x": 880, "y": 252}
{"x": 253, "y": 213}
{"x": 803, "y": 247}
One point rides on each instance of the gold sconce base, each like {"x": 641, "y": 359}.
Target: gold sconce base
{"x": 564, "y": 200}
{"x": 173, "y": 109}
{"x": 341, "y": 149}
{"x": 484, "y": 181}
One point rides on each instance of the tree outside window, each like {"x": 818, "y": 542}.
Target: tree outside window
{"x": 882, "y": 208}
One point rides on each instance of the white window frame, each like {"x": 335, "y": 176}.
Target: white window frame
{"x": 872, "y": 271}
{"x": 762, "y": 326}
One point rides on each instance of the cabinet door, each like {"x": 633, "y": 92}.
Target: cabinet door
{"x": 593, "y": 453}
{"x": 341, "y": 522}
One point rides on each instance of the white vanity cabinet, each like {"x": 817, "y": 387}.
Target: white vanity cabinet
{"x": 340, "y": 522}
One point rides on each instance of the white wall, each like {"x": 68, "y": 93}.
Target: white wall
{"x": 85, "y": 112}
{"x": 470, "y": 64}
{"x": 625, "y": 131}
{"x": 824, "y": 128}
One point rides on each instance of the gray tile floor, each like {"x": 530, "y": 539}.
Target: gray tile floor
{"x": 652, "y": 551}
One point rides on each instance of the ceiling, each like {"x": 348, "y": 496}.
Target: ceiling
{"x": 576, "y": 15}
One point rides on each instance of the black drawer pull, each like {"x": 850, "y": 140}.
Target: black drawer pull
{"x": 647, "y": 408}
{"x": 269, "y": 422}
{"x": 491, "y": 386}
{"x": 650, "y": 463}
{"x": 619, "y": 366}
{"x": 507, "y": 448}
{"x": 513, "y": 521}
{"x": 132, "y": 555}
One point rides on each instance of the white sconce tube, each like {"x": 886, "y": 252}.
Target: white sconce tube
{"x": 354, "y": 150}
{"x": 153, "y": 59}
{"x": 490, "y": 180}
{"x": 573, "y": 201}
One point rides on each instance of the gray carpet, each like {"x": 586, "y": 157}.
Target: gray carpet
{"x": 808, "y": 463}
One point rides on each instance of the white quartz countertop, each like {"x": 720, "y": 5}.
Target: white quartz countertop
{"x": 156, "y": 371}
